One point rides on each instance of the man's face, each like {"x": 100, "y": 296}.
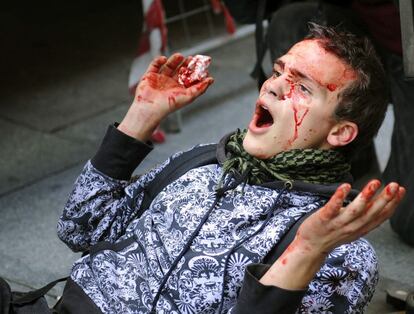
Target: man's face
{"x": 296, "y": 105}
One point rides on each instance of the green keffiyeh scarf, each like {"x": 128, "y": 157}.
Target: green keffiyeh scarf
{"x": 319, "y": 166}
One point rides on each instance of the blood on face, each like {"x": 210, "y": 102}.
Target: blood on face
{"x": 299, "y": 110}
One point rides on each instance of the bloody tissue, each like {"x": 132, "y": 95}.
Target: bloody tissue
{"x": 195, "y": 72}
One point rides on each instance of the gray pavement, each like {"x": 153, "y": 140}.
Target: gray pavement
{"x": 44, "y": 150}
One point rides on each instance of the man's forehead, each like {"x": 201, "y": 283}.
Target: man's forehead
{"x": 312, "y": 60}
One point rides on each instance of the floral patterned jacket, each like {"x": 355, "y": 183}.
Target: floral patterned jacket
{"x": 193, "y": 249}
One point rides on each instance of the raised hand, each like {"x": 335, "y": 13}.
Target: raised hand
{"x": 159, "y": 94}
{"x": 334, "y": 224}
{"x": 331, "y": 226}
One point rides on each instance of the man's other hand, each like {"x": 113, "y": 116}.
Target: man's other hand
{"x": 159, "y": 94}
{"x": 329, "y": 227}
{"x": 334, "y": 224}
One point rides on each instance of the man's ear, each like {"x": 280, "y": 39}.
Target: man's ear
{"x": 342, "y": 133}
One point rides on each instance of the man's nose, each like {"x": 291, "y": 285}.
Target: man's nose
{"x": 280, "y": 86}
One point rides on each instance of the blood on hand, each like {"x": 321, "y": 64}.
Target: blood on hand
{"x": 195, "y": 72}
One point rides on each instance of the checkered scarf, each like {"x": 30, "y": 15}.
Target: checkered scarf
{"x": 319, "y": 166}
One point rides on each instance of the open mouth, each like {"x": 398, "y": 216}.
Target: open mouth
{"x": 264, "y": 118}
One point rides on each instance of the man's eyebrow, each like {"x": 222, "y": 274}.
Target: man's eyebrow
{"x": 302, "y": 75}
{"x": 280, "y": 63}
{"x": 295, "y": 72}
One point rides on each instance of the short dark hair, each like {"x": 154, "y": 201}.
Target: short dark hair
{"x": 364, "y": 101}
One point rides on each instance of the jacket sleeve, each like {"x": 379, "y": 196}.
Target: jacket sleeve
{"x": 104, "y": 200}
{"x": 257, "y": 298}
{"x": 344, "y": 284}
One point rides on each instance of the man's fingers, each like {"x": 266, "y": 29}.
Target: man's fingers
{"x": 369, "y": 190}
{"x": 186, "y": 61}
{"x": 401, "y": 193}
{"x": 183, "y": 98}
{"x": 172, "y": 64}
{"x": 199, "y": 88}
{"x": 387, "y": 194}
{"x": 376, "y": 209}
{"x": 184, "y": 64}
{"x": 156, "y": 64}
{"x": 377, "y": 205}
{"x": 334, "y": 205}
{"x": 358, "y": 206}
{"x": 385, "y": 213}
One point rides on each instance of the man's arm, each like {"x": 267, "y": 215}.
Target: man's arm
{"x": 309, "y": 268}
{"x": 329, "y": 227}
{"x": 159, "y": 94}
{"x": 104, "y": 201}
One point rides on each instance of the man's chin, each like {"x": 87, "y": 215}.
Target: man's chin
{"x": 254, "y": 149}
{"x": 258, "y": 148}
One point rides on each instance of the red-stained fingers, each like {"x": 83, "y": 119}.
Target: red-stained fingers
{"x": 156, "y": 64}
{"x": 369, "y": 190}
{"x": 334, "y": 205}
{"x": 172, "y": 64}
{"x": 387, "y": 211}
{"x": 186, "y": 61}
{"x": 389, "y": 193}
{"x": 363, "y": 201}
{"x": 184, "y": 97}
{"x": 199, "y": 88}
{"x": 184, "y": 64}
{"x": 377, "y": 209}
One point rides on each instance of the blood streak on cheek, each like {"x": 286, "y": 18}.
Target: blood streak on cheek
{"x": 298, "y": 119}
{"x": 299, "y": 112}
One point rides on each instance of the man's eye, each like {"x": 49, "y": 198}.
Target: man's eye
{"x": 276, "y": 74}
{"x": 304, "y": 89}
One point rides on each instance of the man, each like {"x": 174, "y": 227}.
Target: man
{"x": 188, "y": 251}
{"x": 379, "y": 20}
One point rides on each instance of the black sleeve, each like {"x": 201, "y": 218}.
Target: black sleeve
{"x": 257, "y": 298}
{"x": 119, "y": 154}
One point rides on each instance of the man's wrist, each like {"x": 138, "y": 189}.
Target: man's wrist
{"x": 141, "y": 134}
{"x": 295, "y": 268}
{"x": 138, "y": 122}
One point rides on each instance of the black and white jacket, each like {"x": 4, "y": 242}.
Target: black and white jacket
{"x": 194, "y": 249}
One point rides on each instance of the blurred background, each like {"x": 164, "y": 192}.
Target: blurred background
{"x": 65, "y": 76}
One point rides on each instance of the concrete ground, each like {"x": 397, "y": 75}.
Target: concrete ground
{"x": 52, "y": 118}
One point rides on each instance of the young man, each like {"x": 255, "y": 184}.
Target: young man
{"x": 207, "y": 243}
